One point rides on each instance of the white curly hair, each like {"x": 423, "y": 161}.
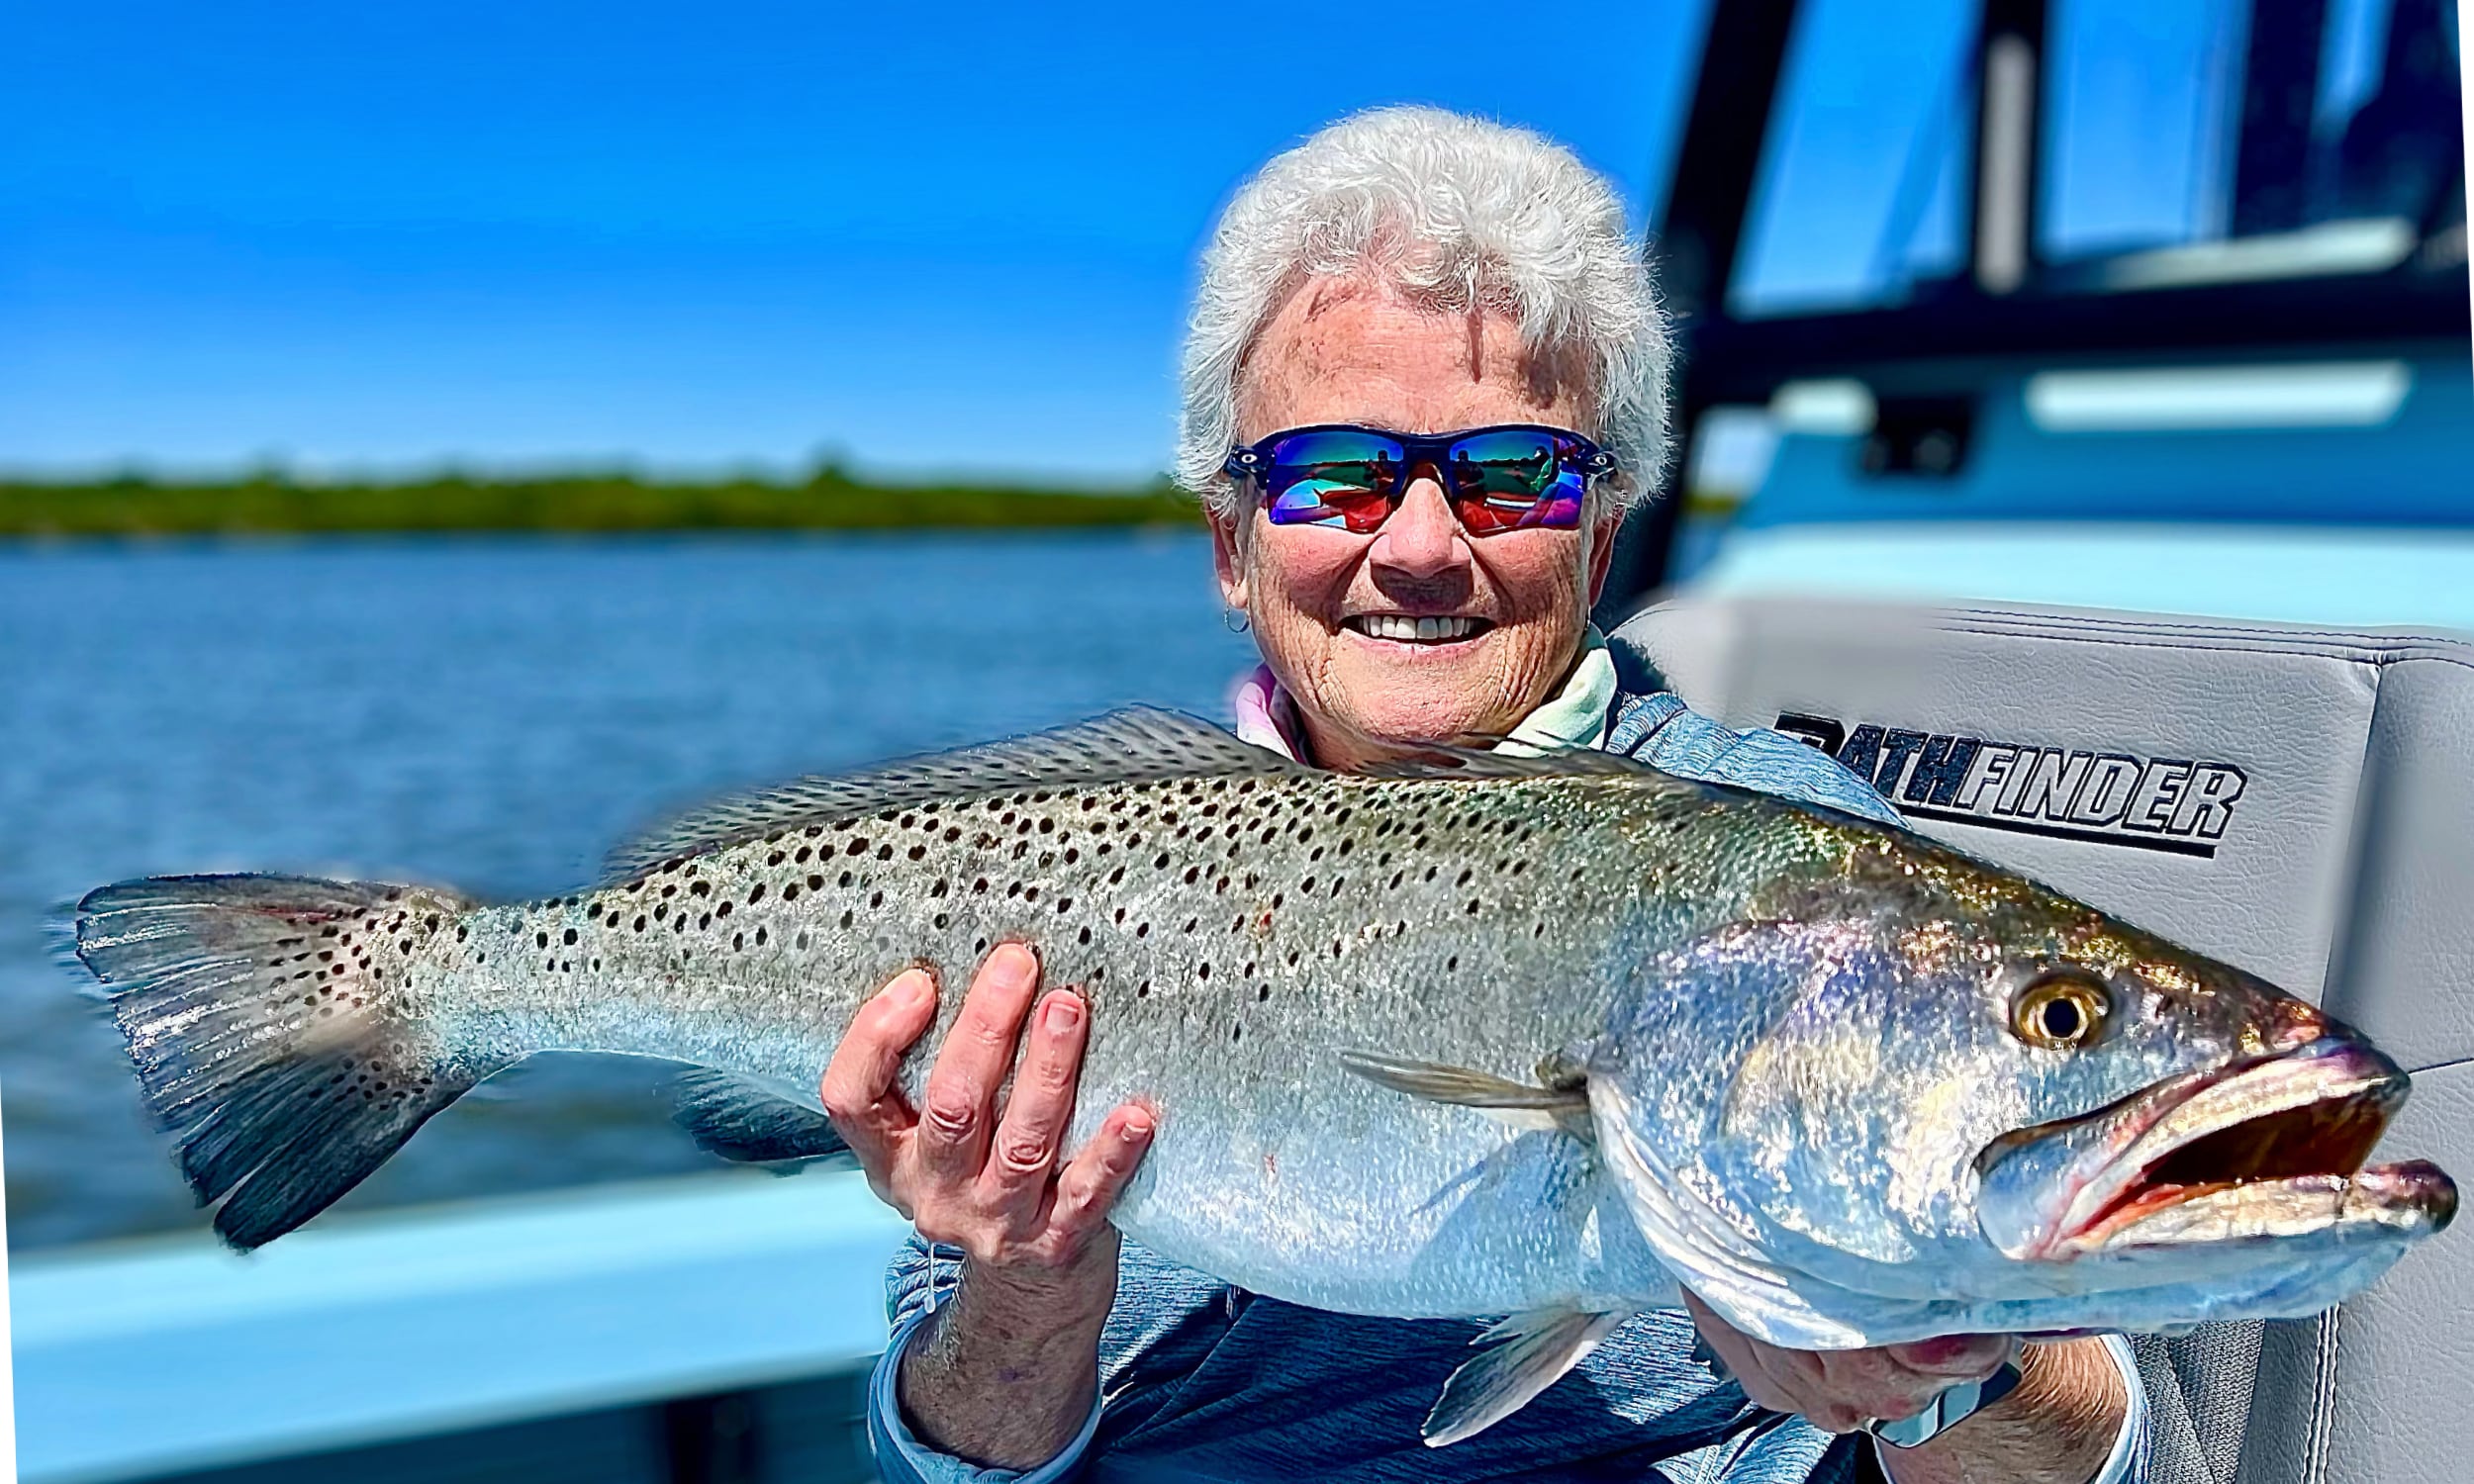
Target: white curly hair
{"x": 1461, "y": 213}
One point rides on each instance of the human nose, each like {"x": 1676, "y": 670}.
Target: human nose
{"x": 1423, "y": 538}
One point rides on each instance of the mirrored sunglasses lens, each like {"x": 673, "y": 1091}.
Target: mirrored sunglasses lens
{"x": 1335, "y": 478}
{"x": 1514, "y": 478}
{"x": 1506, "y": 465}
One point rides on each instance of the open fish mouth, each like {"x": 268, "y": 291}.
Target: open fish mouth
{"x": 2267, "y": 1149}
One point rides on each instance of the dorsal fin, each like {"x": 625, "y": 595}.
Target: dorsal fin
{"x": 1471, "y": 760}
{"x": 1130, "y": 746}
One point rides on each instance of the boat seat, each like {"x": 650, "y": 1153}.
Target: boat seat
{"x": 2296, "y": 802}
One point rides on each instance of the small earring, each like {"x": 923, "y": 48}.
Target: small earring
{"x": 1236, "y": 621}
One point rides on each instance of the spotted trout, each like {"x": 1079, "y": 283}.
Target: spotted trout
{"x": 1544, "y": 1038}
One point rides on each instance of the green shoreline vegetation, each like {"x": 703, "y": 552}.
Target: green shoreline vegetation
{"x": 274, "y": 503}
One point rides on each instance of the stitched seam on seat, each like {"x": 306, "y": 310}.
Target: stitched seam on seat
{"x": 2211, "y": 626}
{"x": 2322, "y": 1397}
{"x": 2375, "y": 660}
{"x": 2369, "y": 649}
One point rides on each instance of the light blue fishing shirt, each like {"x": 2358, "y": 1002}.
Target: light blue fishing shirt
{"x": 1202, "y": 1381}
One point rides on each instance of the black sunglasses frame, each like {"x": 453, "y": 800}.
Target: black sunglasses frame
{"x": 1428, "y": 451}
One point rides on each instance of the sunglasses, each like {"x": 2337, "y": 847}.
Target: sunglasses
{"x": 1507, "y": 478}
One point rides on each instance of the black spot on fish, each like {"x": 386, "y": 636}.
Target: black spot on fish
{"x": 791, "y": 893}
{"x": 756, "y": 894}
{"x": 569, "y": 936}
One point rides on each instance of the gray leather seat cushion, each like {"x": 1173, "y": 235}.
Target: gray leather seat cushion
{"x": 2293, "y": 800}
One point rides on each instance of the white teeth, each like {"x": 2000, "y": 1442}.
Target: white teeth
{"x": 1415, "y": 630}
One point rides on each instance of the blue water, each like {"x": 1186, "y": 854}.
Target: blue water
{"x": 495, "y": 714}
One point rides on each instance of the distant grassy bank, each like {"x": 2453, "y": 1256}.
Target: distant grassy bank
{"x": 828, "y": 500}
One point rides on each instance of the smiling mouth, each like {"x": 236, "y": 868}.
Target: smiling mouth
{"x": 1400, "y": 628}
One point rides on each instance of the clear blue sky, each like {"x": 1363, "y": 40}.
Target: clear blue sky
{"x": 960, "y": 237}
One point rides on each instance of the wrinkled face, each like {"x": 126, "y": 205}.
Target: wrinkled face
{"x": 2011, "y": 1120}
{"x": 1334, "y": 612}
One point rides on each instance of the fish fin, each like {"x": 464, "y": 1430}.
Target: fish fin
{"x": 1469, "y": 757}
{"x": 1129, "y": 746}
{"x": 1522, "y": 1357}
{"x": 739, "y": 1120}
{"x": 1519, "y": 1104}
{"x": 265, "y": 1017}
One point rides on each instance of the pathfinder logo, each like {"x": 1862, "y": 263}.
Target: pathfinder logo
{"x": 2106, "y": 797}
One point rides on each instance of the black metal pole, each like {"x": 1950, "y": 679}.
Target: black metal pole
{"x": 1698, "y": 234}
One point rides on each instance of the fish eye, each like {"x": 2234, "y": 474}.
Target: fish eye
{"x": 2061, "y": 1009}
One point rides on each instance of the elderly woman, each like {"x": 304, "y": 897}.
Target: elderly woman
{"x": 1424, "y": 376}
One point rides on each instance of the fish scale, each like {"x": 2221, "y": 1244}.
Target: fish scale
{"x": 1483, "y": 1036}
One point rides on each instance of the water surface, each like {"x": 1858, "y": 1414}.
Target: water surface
{"x": 493, "y": 714}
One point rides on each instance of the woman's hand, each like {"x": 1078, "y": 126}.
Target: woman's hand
{"x": 965, "y": 1172}
{"x": 2056, "y": 1427}
{"x": 1005, "y": 1374}
{"x": 1839, "y": 1391}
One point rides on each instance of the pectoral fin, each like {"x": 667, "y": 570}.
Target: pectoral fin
{"x": 1519, "y": 1104}
{"x": 738, "y": 1120}
{"x": 1522, "y": 1357}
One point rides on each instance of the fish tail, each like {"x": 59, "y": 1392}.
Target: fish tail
{"x": 270, "y": 1019}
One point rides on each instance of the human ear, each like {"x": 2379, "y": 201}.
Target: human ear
{"x": 1228, "y": 557}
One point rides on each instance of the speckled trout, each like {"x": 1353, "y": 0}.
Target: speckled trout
{"x": 1479, "y": 1037}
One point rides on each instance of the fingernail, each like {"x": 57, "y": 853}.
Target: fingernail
{"x": 1014, "y": 960}
{"x": 1138, "y": 1123}
{"x": 910, "y": 989}
{"x": 1064, "y": 1011}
